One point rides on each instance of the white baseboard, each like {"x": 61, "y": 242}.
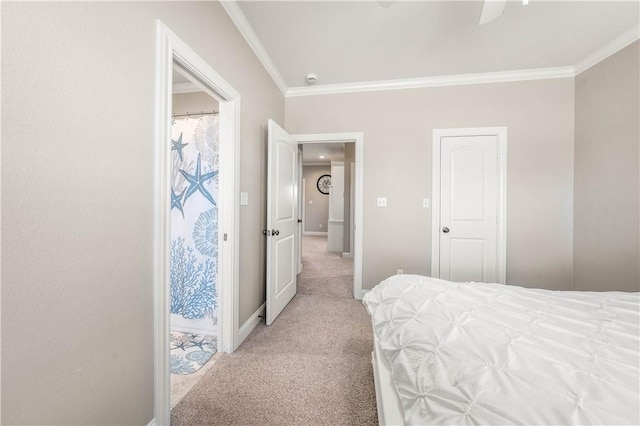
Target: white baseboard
{"x": 319, "y": 234}
{"x": 347, "y": 255}
{"x": 152, "y": 422}
{"x": 251, "y": 323}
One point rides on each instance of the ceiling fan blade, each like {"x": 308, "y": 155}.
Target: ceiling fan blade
{"x": 386, "y": 4}
{"x": 491, "y": 10}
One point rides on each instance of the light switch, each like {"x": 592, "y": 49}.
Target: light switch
{"x": 382, "y": 202}
{"x": 244, "y": 198}
{"x": 425, "y": 203}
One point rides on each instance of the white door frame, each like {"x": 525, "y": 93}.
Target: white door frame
{"x": 358, "y": 139}
{"x": 303, "y": 196}
{"x": 501, "y": 133}
{"x": 352, "y": 185}
{"x": 171, "y": 49}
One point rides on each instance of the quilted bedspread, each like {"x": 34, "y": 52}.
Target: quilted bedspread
{"x": 475, "y": 353}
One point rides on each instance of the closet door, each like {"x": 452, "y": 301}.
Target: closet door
{"x": 468, "y": 232}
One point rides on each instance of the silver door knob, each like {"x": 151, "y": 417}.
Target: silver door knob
{"x": 445, "y": 230}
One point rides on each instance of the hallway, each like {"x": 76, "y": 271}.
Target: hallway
{"x": 324, "y": 273}
{"x": 311, "y": 366}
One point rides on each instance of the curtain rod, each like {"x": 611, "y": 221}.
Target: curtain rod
{"x": 191, "y": 114}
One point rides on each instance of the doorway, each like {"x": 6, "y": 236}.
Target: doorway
{"x": 283, "y": 232}
{"x": 326, "y": 203}
{"x": 173, "y": 53}
{"x": 343, "y": 154}
{"x": 194, "y": 296}
{"x": 469, "y": 204}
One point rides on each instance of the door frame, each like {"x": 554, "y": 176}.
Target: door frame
{"x": 358, "y": 139}
{"x": 170, "y": 50}
{"x": 302, "y": 212}
{"x": 501, "y": 134}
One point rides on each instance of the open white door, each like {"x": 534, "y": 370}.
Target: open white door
{"x": 282, "y": 220}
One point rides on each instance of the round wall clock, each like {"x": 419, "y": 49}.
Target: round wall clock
{"x": 323, "y": 184}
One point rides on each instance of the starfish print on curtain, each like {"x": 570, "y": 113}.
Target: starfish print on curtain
{"x": 197, "y": 181}
{"x": 178, "y": 145}
{"x": 176, "y": 201}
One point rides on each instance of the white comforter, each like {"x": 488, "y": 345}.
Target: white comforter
{"x": 472, "y": 353}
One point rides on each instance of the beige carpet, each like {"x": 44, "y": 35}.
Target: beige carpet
{"x": 312, "y": 366}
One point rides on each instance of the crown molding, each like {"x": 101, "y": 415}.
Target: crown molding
{"x": 241, "y": 22}
{"x": 243, "y": 25}
{"x": 439, "y": 81}
{"x": 615, "y": 45}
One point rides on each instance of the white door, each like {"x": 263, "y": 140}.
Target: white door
{"x": 282, "y": 220}
{"x": 469, "y": 186}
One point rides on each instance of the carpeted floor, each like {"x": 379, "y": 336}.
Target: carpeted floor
{"x": 312, "y": 366}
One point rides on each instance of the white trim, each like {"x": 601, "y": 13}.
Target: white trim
{"x": 170, "y": 48}
{"x": 501, "y": 133}
{"x": 314, "y": 233}
{"x": 162, "y": 234}
{"x": 615, "y": 45}
{"x": 152, "y": 422}
{"x": 245, "y": 28}
{"x": 352, "y": 186}
{"x": 250, "y": 324}
{"x": 303, "y": 213}
{"x": 229, "y": 136}
{"x": 241, "y": 22}
{"x": 347, "y": 255}
{"x": 185, "y": 88}
{"x": 438, "y": 81}
{"x": 358, "y": 138}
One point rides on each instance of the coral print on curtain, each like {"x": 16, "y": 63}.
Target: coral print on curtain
{"x": 194, "y": 217}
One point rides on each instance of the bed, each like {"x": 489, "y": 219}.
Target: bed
{"x": 477, "y": 353}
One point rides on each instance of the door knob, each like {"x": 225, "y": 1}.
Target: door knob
{"x": 275, "y": 232}
{"x": 445, "y": 230}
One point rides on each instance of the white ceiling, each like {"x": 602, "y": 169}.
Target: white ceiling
{"x": 311, "y": 153}
{"x": 350, "y": 42}
{"x": 179, "y": 78}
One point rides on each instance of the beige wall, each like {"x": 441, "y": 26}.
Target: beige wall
{"x": 78, "y": 93}
{"x": 194, "y": 102}
{"x": 316, "y": 205}
{"x": 398, "y": 127}
{"x": 606, "y": 215}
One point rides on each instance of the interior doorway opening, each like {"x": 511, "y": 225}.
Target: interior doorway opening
{"x": 218, "y": 244}
{"x": 195, "y": 262}
{"x": 326, "y": 204}
{"x": 331, "y": 200}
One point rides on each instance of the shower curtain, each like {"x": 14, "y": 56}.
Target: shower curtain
{"x": 194, "y": 218}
